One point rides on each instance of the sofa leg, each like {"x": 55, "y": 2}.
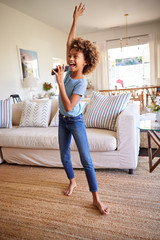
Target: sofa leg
{"x": 131, "y": 171}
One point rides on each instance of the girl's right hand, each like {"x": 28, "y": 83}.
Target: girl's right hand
{"x": 59, "y": 74}
{"x": 78, "y": 11}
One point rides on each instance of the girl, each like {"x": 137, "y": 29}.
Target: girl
{"x": 82, "y": 57}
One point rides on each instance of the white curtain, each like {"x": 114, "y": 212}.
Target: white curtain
{"x": 100, "y": 75}
{"x": 153, "y": 58}
{"x": 158, "y": 58}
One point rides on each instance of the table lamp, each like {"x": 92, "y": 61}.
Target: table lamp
{"x": 30, "y": 82}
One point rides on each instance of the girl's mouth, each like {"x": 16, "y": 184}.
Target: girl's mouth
{"x": 71, "y": 65}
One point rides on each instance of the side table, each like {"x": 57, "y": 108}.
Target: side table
{"x": 151, "y": 127}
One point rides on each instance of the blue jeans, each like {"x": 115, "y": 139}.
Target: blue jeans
{"x": 75, "y": 126}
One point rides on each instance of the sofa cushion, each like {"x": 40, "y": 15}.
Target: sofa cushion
{"x": 6, "y": 113}
{"x": 101, "y": 140}
{"x": 47, "y": 138}
{"x": 102, "y": 110}
{"x": 35, "y": 114}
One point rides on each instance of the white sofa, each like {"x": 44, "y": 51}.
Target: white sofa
{"x": 39, "y": 146}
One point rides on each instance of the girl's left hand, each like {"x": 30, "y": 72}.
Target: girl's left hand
{"x": 60, "y": 73}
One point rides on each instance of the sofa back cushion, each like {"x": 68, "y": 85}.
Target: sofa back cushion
{"x": 55, "y": 119}
{"x": 16, "y": 113}
{"x": 18, "y": 107}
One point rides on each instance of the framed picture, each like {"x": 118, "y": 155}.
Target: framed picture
{"x": 29, "y": 63}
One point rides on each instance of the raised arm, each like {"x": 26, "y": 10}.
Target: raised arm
{"x": 77, "y": 12}
{"x": 69, "y": 104}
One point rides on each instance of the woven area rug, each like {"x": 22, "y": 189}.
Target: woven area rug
{"x": 33, "y": 207}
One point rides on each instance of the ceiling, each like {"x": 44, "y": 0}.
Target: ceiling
{"x": 99, "y": 14}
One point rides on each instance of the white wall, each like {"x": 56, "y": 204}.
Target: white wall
{"x": 18, "y": 29}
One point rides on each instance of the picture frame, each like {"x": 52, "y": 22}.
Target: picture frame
{"x": 29, "y": 63}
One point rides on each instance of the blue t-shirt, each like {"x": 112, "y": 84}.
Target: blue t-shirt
{"x": 73, "y": 86}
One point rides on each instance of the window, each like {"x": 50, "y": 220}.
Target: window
{"x": 129, "y": 66}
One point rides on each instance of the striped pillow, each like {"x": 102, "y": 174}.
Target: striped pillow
{"x": 103, "y": 110}
{"x": 6, "y": 113}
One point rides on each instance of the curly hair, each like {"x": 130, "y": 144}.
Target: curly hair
{"x": 90, "y": 51}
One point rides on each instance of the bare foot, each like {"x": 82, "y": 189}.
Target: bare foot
{"x": 96, "y": 202}
{"x": 103, "y": 209}
{"x": 71, "y": 187}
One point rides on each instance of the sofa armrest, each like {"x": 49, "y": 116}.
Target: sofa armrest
{"x": 128, "y": 134}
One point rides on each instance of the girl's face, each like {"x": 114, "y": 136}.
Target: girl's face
{"x": 76, "y": 60}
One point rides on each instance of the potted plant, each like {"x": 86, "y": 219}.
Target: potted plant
{"x": 46, "y": 88}
{"x": 156, "y": 107}
{"x": 52, "y": 95}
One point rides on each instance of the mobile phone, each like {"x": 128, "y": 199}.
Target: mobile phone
{"x": 56, "y": 70}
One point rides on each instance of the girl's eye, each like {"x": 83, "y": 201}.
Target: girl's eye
{"x": 74, "y": 56}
